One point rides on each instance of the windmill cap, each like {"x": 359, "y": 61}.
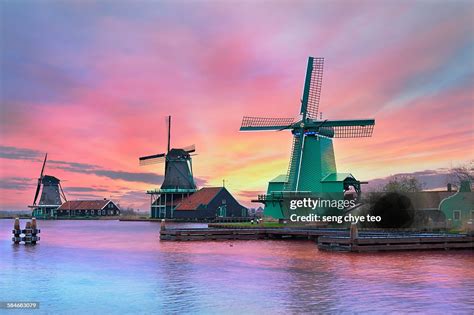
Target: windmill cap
{"x": 48, "y": 179}
{"x": 177, "y": 153}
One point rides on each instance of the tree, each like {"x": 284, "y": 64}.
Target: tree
{"x": 403, "y": 183}
{"x": 463, "y": 172}
{"x": 128, "y": 211}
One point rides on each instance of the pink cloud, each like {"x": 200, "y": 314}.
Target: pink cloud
{"x": 218, "y": 65}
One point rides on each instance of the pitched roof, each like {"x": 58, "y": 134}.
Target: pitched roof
{"x": 200, "y": 197}
{"x": 84, "y": 204}
{"x": 429, "y": 199}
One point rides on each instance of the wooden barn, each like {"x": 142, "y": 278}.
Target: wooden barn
{"x": 209, "y": 203}
{"x": 88, "y": 208}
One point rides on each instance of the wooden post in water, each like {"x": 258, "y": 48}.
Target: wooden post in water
{"x": 27, "y": 233}
{"x": 16, "y": 225}
{"x": 16, "y": 231}
{"x": 353, "y": 236}
{"x": 30, "y": 233}
{"x": 354, "y": 232}
{"x": 33, "y": 231}
{"x": 163, "y": 225}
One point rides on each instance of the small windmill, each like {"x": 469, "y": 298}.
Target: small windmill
{"x": 52, "y": 194}
{"x": 178, "y": 182}
{"x": 312, "y": 166}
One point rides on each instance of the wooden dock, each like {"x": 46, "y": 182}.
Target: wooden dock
{"x": 198, "y": 234}
{"x": 395, "y": 242}
{"x": 333, "y": 239}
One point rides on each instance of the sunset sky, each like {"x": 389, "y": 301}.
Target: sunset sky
{"x": 90, "y": 82}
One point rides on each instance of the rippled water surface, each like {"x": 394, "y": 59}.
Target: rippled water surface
{"x": 122, "y": 267}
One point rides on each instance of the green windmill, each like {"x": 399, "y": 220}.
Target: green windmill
{"x": 312, "y": 167}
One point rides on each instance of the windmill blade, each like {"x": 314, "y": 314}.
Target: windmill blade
{"x": 152, "y": 159}
{"x": 312, "y": 88}
{"x": 190, "y": 148}
{"x": 37, "y": 191}
{"x": 44, "y": 163}
{"x": 168, "y": 127}
{"x": 62, "y": 192}
{"x": 265, "y": 123}
{"x": 348, "y": 128}
{"x": 40, "y": 179}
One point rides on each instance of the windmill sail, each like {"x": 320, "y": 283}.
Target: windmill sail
{"x": 189, "y": 148}
{"x": 40, "y": 179}
{"x": 168, "y": 126}
{"x": 348, "y": 128}
{"x": 152, "y": 159}
{"x": 312, "y": 88}
{"x": 265, "y": 123}
{"x": 37, "y": 191}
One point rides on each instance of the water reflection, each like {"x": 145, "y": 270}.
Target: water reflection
{"x": 110, "y": 266}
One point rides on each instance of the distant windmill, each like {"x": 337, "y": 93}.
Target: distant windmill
{"x": 178, "y": 182}
{"x": 52, "y": 194}
{"x": 312, "y": 166}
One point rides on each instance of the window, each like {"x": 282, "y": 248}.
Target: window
{"x": 92, "y": 212}
{"x": 457, "y": 215}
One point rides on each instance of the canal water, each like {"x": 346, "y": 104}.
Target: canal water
{"x": 122, "y": 267}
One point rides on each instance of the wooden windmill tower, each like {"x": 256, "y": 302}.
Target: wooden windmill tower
{"x": 312, "y": 166}
{"x": 52, "y": 195}
{"x": 178, "y": 181}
